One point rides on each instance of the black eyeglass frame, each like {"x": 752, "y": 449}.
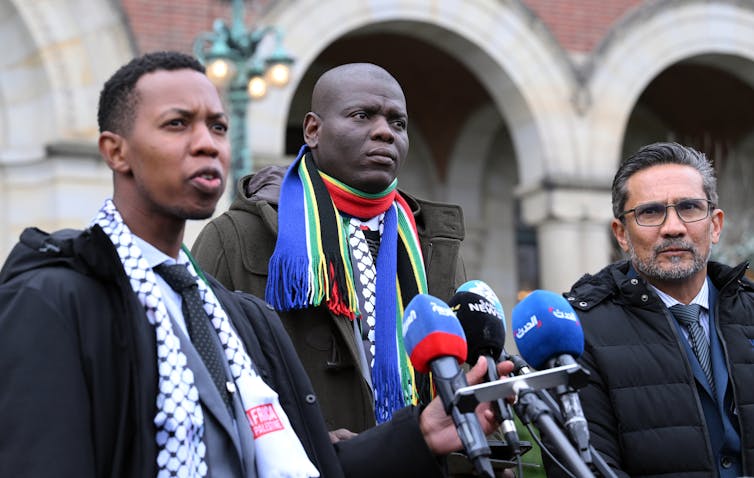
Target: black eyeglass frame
{"x": 710, "y": 207}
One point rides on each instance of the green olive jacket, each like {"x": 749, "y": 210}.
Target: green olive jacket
{"x": 236, "y": 246}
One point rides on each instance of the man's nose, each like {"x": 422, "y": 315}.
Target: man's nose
{"x": 673, "y": 224}
{"x": 381, "y": 129}
{"x": 204, "y": 141}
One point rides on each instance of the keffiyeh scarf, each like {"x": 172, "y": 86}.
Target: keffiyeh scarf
{"x": 179, "y": 419}
{"x": 311, "y": 266}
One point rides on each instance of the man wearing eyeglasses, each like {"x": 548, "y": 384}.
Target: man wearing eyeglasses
{"x": 669, "y": 335}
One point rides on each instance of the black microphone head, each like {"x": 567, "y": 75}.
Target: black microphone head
{"x": 482, "y": 324}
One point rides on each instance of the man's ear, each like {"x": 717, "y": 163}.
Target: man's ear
{"x": 619, "y": 231}
{"x": 716, "y": 225}
{"x": 112, "y": 148}
{"x": 312, "y": 122}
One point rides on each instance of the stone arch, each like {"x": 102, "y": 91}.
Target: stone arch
{"x": 67, "y": 51}
{"x": 24, "y": 83}
{"x": 526, "y": 74}
{"x": 61, "y": 54}
{"x": 482, "y": 180}
{"x": 644, "y": 44}
{"x": 472, "y": 151}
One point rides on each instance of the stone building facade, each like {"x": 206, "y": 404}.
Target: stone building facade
{"x": 520, "y": 110}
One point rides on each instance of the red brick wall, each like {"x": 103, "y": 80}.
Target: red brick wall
{"x": 579, "y": 25}
{"x": 173, "y": 24}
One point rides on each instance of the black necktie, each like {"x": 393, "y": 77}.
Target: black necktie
{"x": 197, "y": 322}
{"x": 373, "y": 240}
{"x": 688, "y": 316}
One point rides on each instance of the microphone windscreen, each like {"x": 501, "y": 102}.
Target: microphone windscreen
{"x": 431, "y": 330}
{"x": 480, "y": 287}
{"x": 545, "y": 326}
{"x": 480, "y": 319}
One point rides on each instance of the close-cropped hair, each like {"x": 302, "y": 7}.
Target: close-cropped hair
{"x": 662, "y": 153}
{"x": 118, "y": 99}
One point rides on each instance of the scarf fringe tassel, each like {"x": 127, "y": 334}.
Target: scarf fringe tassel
{"x": 290, "y": 286}
{"x": 388, "y": 386}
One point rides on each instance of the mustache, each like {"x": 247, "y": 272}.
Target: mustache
{"x": 675, "y": 244}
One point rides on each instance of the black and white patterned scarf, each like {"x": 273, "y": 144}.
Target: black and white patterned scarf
{"x": 179, "y": 419}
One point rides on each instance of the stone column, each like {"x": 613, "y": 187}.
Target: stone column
{"x": 572, "y": 218}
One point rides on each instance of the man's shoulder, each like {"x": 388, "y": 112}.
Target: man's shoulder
{"x": 241, "y": 241}
{"x": 252, "y": 306}
{"x": 722, "y": 274}
{"x": 592, "y": 290}
{"x": 421, "y": 205}
{"x": 58, "y": 272}
{"x": 246, "y": 215}
{"x": 65, "y": 253}
{"x": 255, "y": 319}
{"x": 435, "y": 218}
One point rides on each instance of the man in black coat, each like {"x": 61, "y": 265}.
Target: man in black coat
{"x": 112, "y": 369}
{"x": 668, "y": 334}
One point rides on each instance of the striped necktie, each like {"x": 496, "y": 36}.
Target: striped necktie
{"x": 688, "y": 316}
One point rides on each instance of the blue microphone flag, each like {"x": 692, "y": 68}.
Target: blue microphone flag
{"x": 431, "y": 330}
{"x": 545, "y": 326}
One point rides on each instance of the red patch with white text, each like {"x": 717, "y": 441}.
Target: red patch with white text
{"x": 263, "y": 419}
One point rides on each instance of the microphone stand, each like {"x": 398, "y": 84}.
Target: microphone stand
{"x": 570, "y": 406}
{"x": 520, "y": 367}
{"x": 508, "y": 427}
{"x": 530, "y": 408}
{"x": 536, "y": 405}
{"x": 597, "y": 461}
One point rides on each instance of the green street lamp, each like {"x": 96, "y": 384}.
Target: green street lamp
{"x": 234, "y": 63}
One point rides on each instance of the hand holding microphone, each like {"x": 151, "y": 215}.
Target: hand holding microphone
{"x": 435, "y": 342}
{"x": 483, "y": 320}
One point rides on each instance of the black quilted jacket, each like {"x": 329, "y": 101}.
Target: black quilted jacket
{"x": 644, "y": 414}
{"x": 79, "y": 372}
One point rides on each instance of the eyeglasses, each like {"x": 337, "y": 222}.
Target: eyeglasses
{"x": 654, "y": 213}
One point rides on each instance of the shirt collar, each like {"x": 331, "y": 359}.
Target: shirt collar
{"x": 155, "y": 257}
{"x": 702, "y": 297}
{"x": 373, "y": 223}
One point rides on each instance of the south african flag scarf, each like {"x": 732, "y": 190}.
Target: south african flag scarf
{"x": 311, "y": 266}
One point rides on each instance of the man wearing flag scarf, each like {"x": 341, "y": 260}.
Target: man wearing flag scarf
{"x": 106, "y": 374}
{"x": 338, "y": 250}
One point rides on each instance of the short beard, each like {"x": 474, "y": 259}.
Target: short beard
{"x": 677, "y": 272}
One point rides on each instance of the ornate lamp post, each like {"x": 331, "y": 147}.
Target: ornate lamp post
{"x": 234, "y": 63}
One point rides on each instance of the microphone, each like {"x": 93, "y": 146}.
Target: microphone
{"x": 481, "y": 315}
{"x": 480, "y": 287}
{"x": 548, "y": 334}
{"x": 435, "y": 342}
